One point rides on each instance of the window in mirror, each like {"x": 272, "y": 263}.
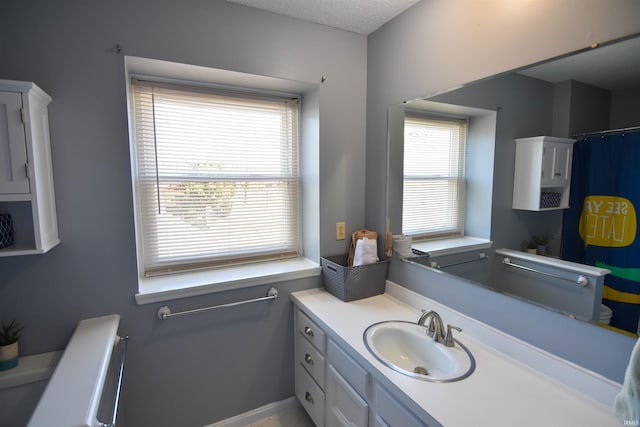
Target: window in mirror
{"x": 434, "y": 176}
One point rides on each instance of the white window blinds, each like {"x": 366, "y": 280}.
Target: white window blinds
{"x": 216, "y": 177}
{"x": 433, "y": 189}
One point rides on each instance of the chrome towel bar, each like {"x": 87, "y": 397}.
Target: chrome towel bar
{"x": 580, "y": 281}
{"x": 481, "y": 256}
{"x": 164, "y": 312}
{"x": 116, "y": 397}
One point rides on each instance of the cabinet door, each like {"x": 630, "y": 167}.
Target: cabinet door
{"x": 393, "y": 413}
{"x": 548, "y": 157}
{"x": 562, "y": 164}
{"x": 344, "y": 407}
{"x": 379, "y": 422}
{"x": 556, "y": 160}
{"x": 13, "y": 151}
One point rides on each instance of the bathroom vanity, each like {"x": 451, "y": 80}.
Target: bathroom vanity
{"x": 335, "y": 389}
{"x": 339, "y": 382}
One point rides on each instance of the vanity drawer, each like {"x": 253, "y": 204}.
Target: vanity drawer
{"x": 355, "y": 375}
{"x": 310, "y": 396}
{"x": 311, "y": 331}
{"x": 312, "y": 360}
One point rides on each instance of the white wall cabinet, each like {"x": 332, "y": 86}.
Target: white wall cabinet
{"x": 26, "y": 174}
{"x": 542, "y": 175}
{"x": 335, "y": 390}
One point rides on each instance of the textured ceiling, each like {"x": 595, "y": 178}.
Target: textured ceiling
{"x": 358, "y": 16}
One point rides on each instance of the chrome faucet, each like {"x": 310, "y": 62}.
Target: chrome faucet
{"x": 436, "y": 328}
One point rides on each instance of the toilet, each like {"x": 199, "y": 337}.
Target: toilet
{"x": 22, "y": 387}
{"x": 605, "y": 314}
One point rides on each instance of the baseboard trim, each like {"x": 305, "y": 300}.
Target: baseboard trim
{"x": 288, "y": 405}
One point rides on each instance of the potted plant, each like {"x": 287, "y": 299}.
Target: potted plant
{"x": 9, "y": 336}
{"x": 540, "y": 242}
{"x": 531, "y": 246}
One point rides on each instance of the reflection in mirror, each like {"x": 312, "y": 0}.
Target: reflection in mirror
{"x": 589, "y": 92}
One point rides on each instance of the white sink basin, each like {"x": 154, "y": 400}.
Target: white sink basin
{"x": 406, "y": 348}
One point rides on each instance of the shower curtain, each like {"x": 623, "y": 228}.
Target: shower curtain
{"x": 599, "y": 228}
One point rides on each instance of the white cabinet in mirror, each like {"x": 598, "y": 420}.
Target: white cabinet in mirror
{"x": 542, "y": 175}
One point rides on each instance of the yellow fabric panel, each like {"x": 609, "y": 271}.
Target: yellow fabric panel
{"x": 614, "y": 295}
{"x": 613, "y": 328}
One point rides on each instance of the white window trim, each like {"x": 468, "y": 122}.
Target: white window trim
{"x": 451, "y": 245}
{"x": 187, "y": 284}
{"x": 479, "y": 157}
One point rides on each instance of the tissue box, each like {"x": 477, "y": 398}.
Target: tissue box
{"x": 353, "y": 283}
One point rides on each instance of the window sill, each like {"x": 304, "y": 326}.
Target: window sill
{"x": 448, "y": 246}
{"x": 168, "y": 287}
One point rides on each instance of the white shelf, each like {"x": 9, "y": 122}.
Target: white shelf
{"x": 30, "y": 369}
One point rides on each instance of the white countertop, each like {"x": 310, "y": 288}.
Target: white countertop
{"x": 504, "y": 390}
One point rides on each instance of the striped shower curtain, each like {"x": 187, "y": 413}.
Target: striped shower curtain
{"x": 599, "y": 228}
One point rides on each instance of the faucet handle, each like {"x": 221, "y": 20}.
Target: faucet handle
{"x": 421, "y": 318}
{"x": 431, "y": 330}
{"x": 448, "y": 341}
{"x": 424, "y": 314}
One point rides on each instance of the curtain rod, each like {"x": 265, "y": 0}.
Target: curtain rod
{"x": 605, "y": 132}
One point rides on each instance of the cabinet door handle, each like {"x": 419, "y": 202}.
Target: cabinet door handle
{"x": 308, "y": 331}
{"x": 308, "y": 359}
{"x": 308, "y": 397}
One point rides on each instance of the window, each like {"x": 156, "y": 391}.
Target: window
{"x": 434, "y": 181}
{"x": 215, "y": 176}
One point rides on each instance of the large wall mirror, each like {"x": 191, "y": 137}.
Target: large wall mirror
{"x": 594, "y": 90}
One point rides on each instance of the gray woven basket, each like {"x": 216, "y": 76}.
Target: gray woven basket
{"x": 353, "y": 283}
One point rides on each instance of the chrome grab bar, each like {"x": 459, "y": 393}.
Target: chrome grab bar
{"x": 116, "y": 397}
{"x": 164, "y": 312}
{"x": 580, "y": 281}
{"x": 481, "y": 256}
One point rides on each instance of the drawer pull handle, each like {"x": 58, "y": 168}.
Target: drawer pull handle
{"x": 308, "y": 359}
{"x": 308, "y": 331}
{"x": 308, "y": 397}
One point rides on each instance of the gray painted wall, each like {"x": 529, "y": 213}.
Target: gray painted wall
{"x": 187, "y": 371}
{"x": 582, "y": 108}
{"x": 516, "y": 119}
{"x": 625, "y": 109}
{"x": 590, "y": 107}
{"x": 421, "y": 53}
